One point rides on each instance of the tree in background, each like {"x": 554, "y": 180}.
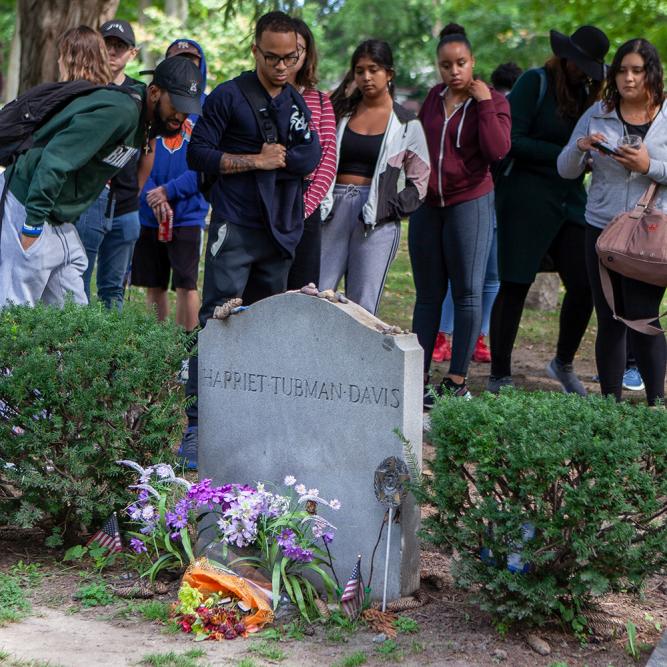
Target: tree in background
{"x": 501, "y": 30}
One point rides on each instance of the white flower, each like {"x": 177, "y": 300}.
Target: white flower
{"x": 314, "y": 492}
{"x": 148, "y": 513}
{"x": 290, "y": 480}
{"x": 300, "y": 489}
{"x": 334, "y": 504}
{"x": 163, "y": 470}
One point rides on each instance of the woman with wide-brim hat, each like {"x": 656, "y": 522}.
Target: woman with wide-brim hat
{"x": 541, "y": 215}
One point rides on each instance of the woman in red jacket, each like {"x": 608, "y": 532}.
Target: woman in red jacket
{"x": 467, "y": 127}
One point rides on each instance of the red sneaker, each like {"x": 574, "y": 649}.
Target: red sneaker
{"x": 482, "y": 354}
{"x": 442, "y": 350}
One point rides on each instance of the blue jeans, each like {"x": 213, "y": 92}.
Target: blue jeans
{"x": 450, "y": 243}
{"x": 110, "y": 240}
{"x": 489, "y": 292}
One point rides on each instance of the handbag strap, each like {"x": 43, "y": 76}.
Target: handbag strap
{"x": 645, "y": 201}
{"x": 643, "y": 325}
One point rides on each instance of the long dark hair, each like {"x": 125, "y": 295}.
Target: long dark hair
{"x": 380, "y": 53}
{"x": 307, "y": 75}
{"x": 652, "y": 67}
{"x": 571, "y": 100}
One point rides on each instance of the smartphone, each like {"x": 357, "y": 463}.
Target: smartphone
{"x": 606, "y": 148}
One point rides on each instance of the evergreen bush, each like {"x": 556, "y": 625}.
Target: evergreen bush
{"x": 81, "y": 388}
{"x": 589, "y": 476}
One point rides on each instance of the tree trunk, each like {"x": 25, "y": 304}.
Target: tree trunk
{"x": 176, "y": 8}
{"x": 43, "y": 22}
{"x": 12, "y": 81}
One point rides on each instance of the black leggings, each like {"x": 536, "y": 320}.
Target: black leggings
{"x": 568, "y": 253}
{"x": 634, "y": 300}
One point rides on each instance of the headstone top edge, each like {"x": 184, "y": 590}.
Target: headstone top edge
{"x": 353, "y": 310}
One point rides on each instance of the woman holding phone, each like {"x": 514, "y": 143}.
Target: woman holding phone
{"x": 623, "y": 139}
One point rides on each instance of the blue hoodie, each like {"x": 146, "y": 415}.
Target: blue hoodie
{"x": 171, "y": 171}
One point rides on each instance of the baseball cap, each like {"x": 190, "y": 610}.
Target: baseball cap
{"x": 120, "y": 29}
{"x": 181, "y": 47}
{"x": 181, "y": 78}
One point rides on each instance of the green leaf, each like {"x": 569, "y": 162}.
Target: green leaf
{"x": 275, "y": 585}
{"x": 76, "y": 552}
{"x": 285, "y": 578}
{"x": 296, "y": 587}
{"x": 187, "y": 546}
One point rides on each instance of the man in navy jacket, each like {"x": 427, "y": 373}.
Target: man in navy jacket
{"x": 257, "y": 198}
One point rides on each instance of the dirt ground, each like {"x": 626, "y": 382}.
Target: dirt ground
{"x": 452, "y": 630}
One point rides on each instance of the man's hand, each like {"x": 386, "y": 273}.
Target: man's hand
{"x": 162, "y": 211}
{"x": 271, "y": 157}
{"x": 27, "y": 241}
{"x": 156, "y": 196}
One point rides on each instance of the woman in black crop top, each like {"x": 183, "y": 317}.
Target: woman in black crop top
{"x": 376, "y": 140}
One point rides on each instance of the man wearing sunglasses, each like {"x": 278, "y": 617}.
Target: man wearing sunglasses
{"x": 257, "y": 196}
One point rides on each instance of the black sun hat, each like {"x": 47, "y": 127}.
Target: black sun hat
{"x": 586, "y": 46}
{"x": 181, "y": 78}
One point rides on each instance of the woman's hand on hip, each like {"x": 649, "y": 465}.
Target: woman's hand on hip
{"x": 633, "y": 159}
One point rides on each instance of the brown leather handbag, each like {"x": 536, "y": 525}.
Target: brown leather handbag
{"x": 634, "y": 244}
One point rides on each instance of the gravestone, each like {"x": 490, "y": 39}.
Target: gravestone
{"x": 297, "y": 385}
{"x": 543, "y": 293}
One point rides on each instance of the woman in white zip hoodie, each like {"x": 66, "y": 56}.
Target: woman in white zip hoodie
{"x": 377, "y": 140}
{"x": 633, "y": 104}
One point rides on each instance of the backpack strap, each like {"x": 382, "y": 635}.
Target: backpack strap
{"x": 643, "y": 325}
{"x": 255, "y": 95}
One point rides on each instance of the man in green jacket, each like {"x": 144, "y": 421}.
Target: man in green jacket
{"x": 74, "y": 154}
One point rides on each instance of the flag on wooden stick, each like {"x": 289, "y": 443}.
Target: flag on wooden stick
{"x": 354, "y": 594}
{"x": 108, "y": 535}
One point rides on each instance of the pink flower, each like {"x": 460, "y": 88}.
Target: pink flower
{"x": 300, "y": 489}
{"x": 290, "y": 480}
{"x": 334, "y": 504}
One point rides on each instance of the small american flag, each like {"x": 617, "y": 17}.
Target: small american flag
{"x": 352, "y": 599}
{"x": 108, "y": 535}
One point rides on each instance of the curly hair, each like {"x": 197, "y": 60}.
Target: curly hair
{"x": 84, "y": 56}
{"x": 571, "y": 100}
{"x": 652, "y": 67}
{"x": 307, "y": 75}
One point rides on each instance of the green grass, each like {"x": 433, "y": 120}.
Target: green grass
{"x": 6, "y": 660}
{"x": 14, "y": 604}
{"x": 406, "y": 625}
{"x": 352, "y": 660}
{"x": 267, "y": 650}
{"x": 246, "y": 662}
{"x": 188, "y": 659}
{"x": 96, "y": 594}
{"x": 150, "y": 610}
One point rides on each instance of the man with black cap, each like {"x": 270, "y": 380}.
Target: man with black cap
{"x": 74, "y": 154}
{"x": 110, "y": 227}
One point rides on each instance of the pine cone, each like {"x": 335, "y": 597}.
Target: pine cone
{"x": 136, "y": 589}
{"x": 323, "y": 609}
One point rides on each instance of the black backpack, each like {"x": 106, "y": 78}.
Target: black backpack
{"x": 21, "y": 118}
{"x": 255, "y": 95}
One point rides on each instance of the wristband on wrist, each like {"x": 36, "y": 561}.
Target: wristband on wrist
{"x": 30, "y": 230}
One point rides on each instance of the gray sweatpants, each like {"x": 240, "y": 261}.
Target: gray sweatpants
{"x": 347, "y": 251}
{"x": 48, "y": 271}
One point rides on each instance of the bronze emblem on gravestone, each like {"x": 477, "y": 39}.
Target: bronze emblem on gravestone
{"x": 391, "y": 481}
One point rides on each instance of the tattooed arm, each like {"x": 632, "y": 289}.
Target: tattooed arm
{"x": 271, "y": 157}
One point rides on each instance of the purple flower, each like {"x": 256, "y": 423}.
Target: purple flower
{"x": 296, "y": 553}
{"x": 134, "y": 512}
{"x": 148, "y": 529}
{"x": 138, "y": 545}
{"x": 328, "y": 536}
{"x": 175, "y": 537}
{"x": 286, "y": 538}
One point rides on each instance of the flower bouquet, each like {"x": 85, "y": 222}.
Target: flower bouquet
{"x": 213, "y": 604}
{"x": 164, "y": 517}
{"x": 286, "y": 535}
